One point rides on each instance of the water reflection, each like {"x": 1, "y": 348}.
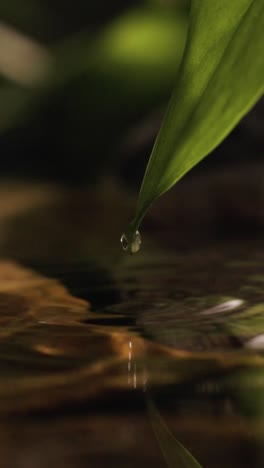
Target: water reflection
{"x": 196, "y": 353}
{"x": 129, "y": 361}
{"x": 257, "y": 342}
{"x": 224, "y": 307}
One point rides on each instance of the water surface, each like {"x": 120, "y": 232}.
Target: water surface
{"x": 87, "y": 334}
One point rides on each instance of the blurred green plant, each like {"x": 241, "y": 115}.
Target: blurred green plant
{"x": 142, "y": 49}
{"x": 96, "y": 82}
{"x": 220, "y": 79}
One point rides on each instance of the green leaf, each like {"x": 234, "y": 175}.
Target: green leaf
{"x": 175, "y": 455}
{"x": 220, "y": 79}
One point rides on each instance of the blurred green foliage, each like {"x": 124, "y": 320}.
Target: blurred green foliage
{"x": 105, "y": 70}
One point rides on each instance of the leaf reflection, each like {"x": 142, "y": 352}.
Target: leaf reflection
{"x": 174, "y": 453}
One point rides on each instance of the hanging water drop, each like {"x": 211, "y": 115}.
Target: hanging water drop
{"x": 124, "y": 242}
{"x": 131, "y": 242}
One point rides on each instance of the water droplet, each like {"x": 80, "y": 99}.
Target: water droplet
{"x": 131, "y": 242}
{"x": 124, "y": 242}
